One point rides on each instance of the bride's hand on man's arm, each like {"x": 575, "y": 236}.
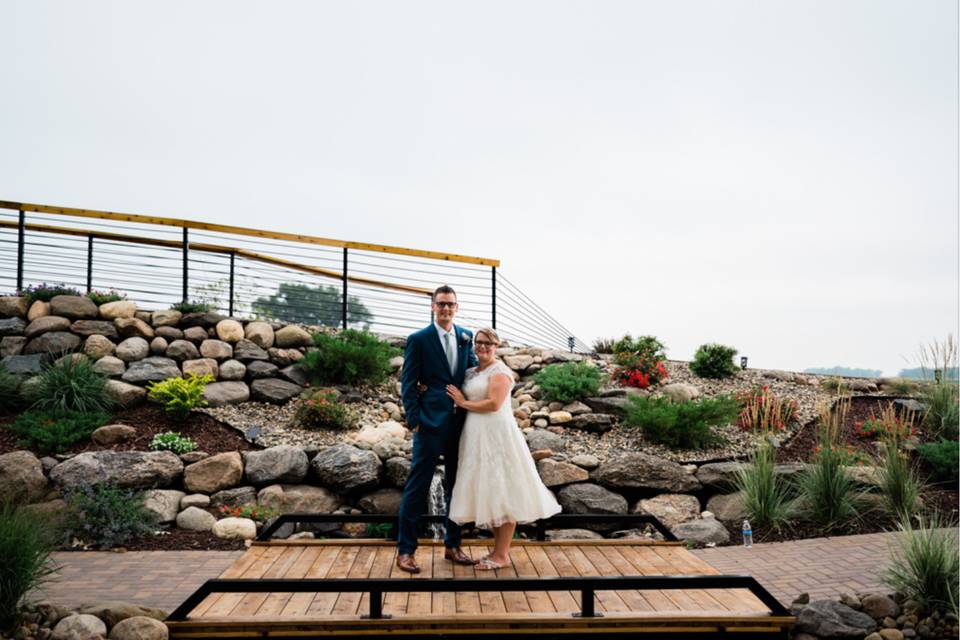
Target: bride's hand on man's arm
{"x": 456, "y": 395}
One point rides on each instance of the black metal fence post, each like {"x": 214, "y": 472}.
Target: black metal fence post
{"x": 89, "y": 263}
{"x": 233, "y": 257}
{"x": 21, "y": 228}
{"x": 493, "y": 297}
{"x": 586, "y": 604}
{"x": 186, "y": 266}
{"x": 344, "y": 304}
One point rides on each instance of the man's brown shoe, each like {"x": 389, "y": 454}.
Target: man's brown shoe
{"x": 406, "y": 562}
{"x": 458, "y": 556}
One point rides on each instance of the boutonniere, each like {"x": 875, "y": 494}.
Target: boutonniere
{"x": 464, "y": 339}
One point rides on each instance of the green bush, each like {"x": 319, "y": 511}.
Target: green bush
{"x": 836, "y": 385}
{"x": 603, "y": 345}
{"x": 828, "y": 493}
{"x": 46, "y": 292}
{"x": 107, "y": 516}
{"x": 192, "y": 306}
{"x": 26, "y": 543}
{"x": 180, "y": 396}
{"x": 942, "y": 418}
{"x": 103, "y": 297}
{"x": 900, "y": 484}
{"x": 568, "y": 381}
{"x": 682, "y": 425}
{"x": 70, "y": 384}
{"x": 10, "y": 399}
{"x": 348, "y": 357}
{"x": 944, "y": 457}
{"x": 714, "y": 361}
{"x": 926, "y": 566}
{"x": 172, "y": 441}
{"x": 766, "y": 494}
{"x": 322, "y": 410}
{"x": 644, "y": 345}
{"x": 55, "y": 431}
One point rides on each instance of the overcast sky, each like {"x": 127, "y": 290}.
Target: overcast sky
{"x": 781, "y": 177}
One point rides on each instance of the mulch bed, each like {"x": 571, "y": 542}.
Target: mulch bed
{"x": 211, "y": 435}
{"x": 182, "y": 539}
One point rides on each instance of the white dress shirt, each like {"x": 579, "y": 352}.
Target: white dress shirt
{"x": 441, "y": 332}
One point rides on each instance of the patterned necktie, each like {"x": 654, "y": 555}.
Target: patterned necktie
{"x": 448, "y": 348}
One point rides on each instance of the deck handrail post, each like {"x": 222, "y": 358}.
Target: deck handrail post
{"x": 89, "y": 263}
{"x": 586, "y": 604}
{"x": 186, "y": 267}
{"x": 21, "y": 227}
{"x": 344, "y": 301}
{"x": 493, "y": 297}
{"x": 376, "y": 604}
{"x": 233, "y": 256}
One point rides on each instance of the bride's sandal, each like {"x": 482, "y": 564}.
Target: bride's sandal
{"x": 486, "y": 564}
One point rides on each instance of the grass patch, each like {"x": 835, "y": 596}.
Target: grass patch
{"x": 924, "y": 567}
{"x": 26, "y": 542}
{"x": 70, "y": 384}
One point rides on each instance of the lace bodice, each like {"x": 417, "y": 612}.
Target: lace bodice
{"x": 476, "y": 382}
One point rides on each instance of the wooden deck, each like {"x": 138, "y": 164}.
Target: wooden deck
{"x": 474, "y": 613}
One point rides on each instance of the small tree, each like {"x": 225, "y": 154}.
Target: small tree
{"x": 320, "y": 305}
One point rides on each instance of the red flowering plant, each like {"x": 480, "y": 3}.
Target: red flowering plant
{"x": 252, "y": 511}
{"x": 874, "y": 428}
{"x": 848, "y": 455}
{"x": 763, "y": 411}
{"x": 322, "y": 410}
{"x": 640, "y": 362}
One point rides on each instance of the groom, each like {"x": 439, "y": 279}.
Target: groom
{"x": 436, "y": 356}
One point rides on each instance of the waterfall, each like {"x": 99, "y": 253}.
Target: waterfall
{"x": 435, "y": 505}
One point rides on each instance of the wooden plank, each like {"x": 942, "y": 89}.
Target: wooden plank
{"x": 513, "y": 601}
{"x": 730, "y": 599}
{"x": 491, "y": 602}
{"x": 551, "y": 562}
{"x": 299, "y": 603}
{"x": 276, "y": 602}
{"x": 380, "y": 569}
{"x": 468, "y": 602}
{"x": 608, "y": 599}
{"x": 601, "y": 559}
{"x": 348, "y": 602}
{"x": 235, "y": 570}
{"x": 252, "y": 602}
{"x": 422, "y": 603}
{"x": 322, "y": 603}
{"x": 659, "y": 600}
{"x": 442, "y": 603}
{"x": 664, "y": 568}
{"x": 396, "y": 603}
{"x": 229, "y": 601}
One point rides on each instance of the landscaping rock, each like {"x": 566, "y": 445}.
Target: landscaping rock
{"x": 118, "y": 309}
{"x": 127, "y": 469}
{"x": 12, "y": 327}
{"x": 259, "y": 333}
{"x": 215, "y": 473}
{"x": 200, "y": 367}
{"x": 280, "y": 464}
{"x": 236, "y": 497}
{"x": 381, "y": 501}
{"x": 642, "y": 471}
{"x": 123, "y": 394}
{"x": 23, "y": 365}
{"x": 182, "y": 350}
{"x": 371, "y": 435}
{"x": 166, "y": 318}
{"x": 80, "y": 626}
{"x": 133, "y": 328}
{"x": 170, "y": 333}
{"x": 703, "y": 532}
{"x": 229, "y": 330}
{"x": 585, "y": 460}
{"x": 97, "y": 347}
{"x": 139, "y": 628}
{"x": 13, "y": 306}
{"x": 292, "y": 336}
{"x": 133, "y": 349}
{"x": 612, "y": 404}
{"x": 38, "y": 309}
{"x": 113, "y": 434}
{"x": 218, "y": 394}
{"x": 53, "y": 342}
{"x": 21, "y": 477}
{"x": 88, "y": 328}
{"x": 152, "y": 369}
{"x": 73, "y": 307}
{"x": 671, "y": 509}
{"x": 555, "y": 474}
{"x": 197, "y": 500}
{"x": 593, "y": 422}
{"x": 396, "y": 471}
{"x": 195, "y": 519}
{"x": 343, "y": 467}
{"x": 295, "y": 374}
{"x": 284, "y": 357}
{"x": 235, "y": 529}
{"x": 830, "y": 619}
{"x": 205, "y": 319}
{"x": 728, "y": 507}
{"x": 590, "y": 498}
{"x": 216, "y": 349}
{"x": 163, "y": 502}
{"x": 680, "y": 392}
{"x": 719, "y": 475}
{"x": 274, "y": 391}
{"x": 518, "y": 362}
{"x": 543, "y": 439}
{"x": 53, "y": 513}
{"x": 231, "y": 369}
{"x": 560, "y": 417}
{"x": 245, "y": 351}
{"x": 46, "y": 324}
{"x": 12, "y": 345}
{"x": 259, "y": 369}
{"x": 572, "y": 534}
{"x": 196, "y": 335}
{"x": 879, "y": 606}
{"x": 298, "y": 498}
{"x": 158, "y": 346}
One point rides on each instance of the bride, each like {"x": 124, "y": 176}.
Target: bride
{"x": 497, "y": 483}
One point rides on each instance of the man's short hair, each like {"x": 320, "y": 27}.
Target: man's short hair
{"x": 444, "y": 288}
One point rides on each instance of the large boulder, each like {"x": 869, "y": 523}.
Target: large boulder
{"x": 670, "y": 508}
{"x": 555, "y": 474}
{"x": 200, "y": 367}
{"x": 231, "y": 369}
{"x": 540, "y": 439}
{"x": 274, "y": 391}
{"x": 246, "y": 351}
{"x": 705, "y": 531}
{"x": 593, "y": 422}
{"x": 94, "y": 328}
{"x": 586, "y": 497}
{"x": 396, "y": 471}
{"x": 163, "y": 502}
{"x": 215, "y": 473}
{"x": 73, "y": 307}
{"x": 293, "y": 336}
{"x": 719, "y": 475}
{"x": 21, "y": 477}
{"x": 728, "y": 507}
{"x": 613, "y": 404}
{"x": 641, "y": 471}
{"x": 12, "y": 327}
{"x": 284, "y": 357}
{"x": 79, "y": 626}
{"x": 124, "y": 394}
{"x": 166, "y": 318}
{"x": 680, "y": 392}
{"x": 46, "y": 324}
{"x": 229, "y": 330}
{"x": 97, "y": 346}
{"x": 195, "y": 519}
{"x": 52, "y": 342}
{"x": 118, "y": 309}
{"x": 110, "y": 434}
{"x": 298, "y": 498}
{"x": 295, "y": 374}
{"x": 235, "y": 529}
{"x": 343, "y": 467}
{"x": 218, "y": 394}
{"x": 205, "y": 319}
{"x": 831, "y": 619}
{"x": 518, "y": 362}
{"x": 12, "y": 345}
{"x": 126, "y": 469}
{"x": 152, "y": 369}
{"x": 216, "y": 349}
{"x": 13, "y": 306}
{"x": 182, "y": 350}
{"x": 260, "y": 333}
{"x": 381, "y": 501}
{"x": 133, "y": 349}
{"x": 259, "y": 369}
{"x": 879, "y": 606}
{"x": 134, "y": 328}
{"x": 112, "y": 613}
{"x": 281, "y": 464}
{"x": 196, "y": 335}
{"x": 140, "y": 628}
{"x": 236, "y": 497}
{"x": 110, "y": 367}
{"x": 23, "y": 365}
{"x": 38, "y": 309}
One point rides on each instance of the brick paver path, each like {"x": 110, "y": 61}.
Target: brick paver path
{"x": 822, "y": 567}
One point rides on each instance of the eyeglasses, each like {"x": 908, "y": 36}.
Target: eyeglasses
{"x": 446, "y": 305}
{"x": 483, "y": 343}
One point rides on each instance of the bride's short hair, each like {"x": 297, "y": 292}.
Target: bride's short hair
{"x": 491, "y": 333}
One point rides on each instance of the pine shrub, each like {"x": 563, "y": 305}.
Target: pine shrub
{"x": 56, "y": 431}
{"x": 714, "y": 361}
{"x": 943, "y": 456}
{"x": 568, "y": 381}
{"x": 681, "y": 425}
{"x": 349, "y": 357}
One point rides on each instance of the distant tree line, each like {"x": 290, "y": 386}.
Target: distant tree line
{"x": 850, "y": 372}
{"x": 920, "y": 374}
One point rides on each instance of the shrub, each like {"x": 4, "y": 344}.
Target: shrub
{"x": 764, "y": 412}
{"x": 26, "y": 543}
{"x": 107, "y": 516}
{"x": 323, "y": 410}
{"x": 70, "y": 384}
{"x": 682, "y": 425}
{"x": 10, "y": 399}
{"x": 568, "y": 381}
{"x": 902, "y": 387}
{"x": 381, "y": 530}
{"x": 944, "y": 457}
{"x": 874, "y": 428}
{"x": 924, "y": 568}
{"x": 900, "y": 485}
{"x": 255, "y": 512}
{"x": 943, "y": 411}
{"x": 180, "y": 396}
{"x": 766, "y": 494}
{"x": 836, "y": 385}
{"x": 172, "y": 441}
{"x": 46, "y": 292}
{"x": 603, "y": 345}
{"x": 640, "y": 362}
{"x": 714, "y": 361}
{"x": 192, "y": 306}
{"x": 349, "y": 357}
{"x": 55, "y": 431}
{"x": 103, "y": 297}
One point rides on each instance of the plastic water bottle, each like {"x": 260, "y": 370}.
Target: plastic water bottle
{"x": 747, "y": 534}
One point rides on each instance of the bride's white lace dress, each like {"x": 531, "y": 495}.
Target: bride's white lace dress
{"x": 497, "y": 480}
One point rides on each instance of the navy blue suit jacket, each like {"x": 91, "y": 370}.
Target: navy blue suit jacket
{"x": 424, "y": 362}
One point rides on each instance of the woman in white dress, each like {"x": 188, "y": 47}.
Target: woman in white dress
{"x": 497, "y": 482}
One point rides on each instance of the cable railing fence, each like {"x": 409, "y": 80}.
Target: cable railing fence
{"x": 247, "y": 273}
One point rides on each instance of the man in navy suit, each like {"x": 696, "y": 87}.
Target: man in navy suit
{"x": 435, "y": 357}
